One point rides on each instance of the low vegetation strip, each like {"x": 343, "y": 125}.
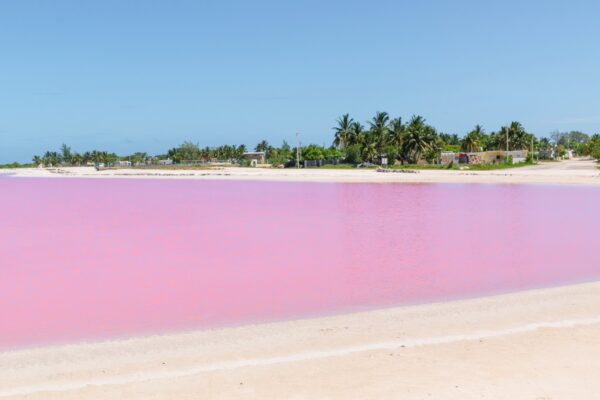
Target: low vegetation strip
{"x": 382, "y": 141}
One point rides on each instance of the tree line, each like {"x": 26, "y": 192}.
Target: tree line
{"x": 185, "y": 152}
{"x": 407, "y": 142}
{"x": 416, "y": 140}
{"x": 66, "y": 156}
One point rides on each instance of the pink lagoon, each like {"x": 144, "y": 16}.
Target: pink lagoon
{"x": 88, "y": 259}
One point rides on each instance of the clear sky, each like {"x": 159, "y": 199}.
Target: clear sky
{"x": 131, "y": 76}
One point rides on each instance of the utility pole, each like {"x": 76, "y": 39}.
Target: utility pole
{"x": 297, "y": 150}
{"x": 507, "y": 143}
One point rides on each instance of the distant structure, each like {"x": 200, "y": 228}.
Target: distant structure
{"x": 547, "y": 154}
{"x": 483, "y": 157}
{"x": 255, "y": 157}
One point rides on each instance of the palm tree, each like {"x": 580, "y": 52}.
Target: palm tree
{"x": 76, "y": 159}
{"x": 396, "y": 131}
{"x": 343, "y": 131}
{"x": 239, "y": 151}
{"x": 479, "y": 130}
{"x": 418, "y": 139}
{"x": 51, "y": 158}
{"x": 138, "y": 158}
{"x": 472, "y": 141}
{"x": 369, "y": 151}
{"x": 519, "y": 138}
{"x": 36, "y": 160}
{"x": 501, "y": 137}
{"x": 98, "y": 156}
{"x": 379, "y": 121}
{"x": 357, "y": 134}
{"x": 379, "y": 129}
{"x": 262, "y": 146}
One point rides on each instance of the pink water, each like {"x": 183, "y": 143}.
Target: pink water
{"x": 82, "y": 259}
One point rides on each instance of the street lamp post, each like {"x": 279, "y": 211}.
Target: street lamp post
{"x": 297, "y": 150}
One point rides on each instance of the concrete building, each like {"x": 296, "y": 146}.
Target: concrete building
{"x": 255, "y": 157}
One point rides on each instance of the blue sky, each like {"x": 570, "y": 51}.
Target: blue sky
{"x": 146, "y": 75}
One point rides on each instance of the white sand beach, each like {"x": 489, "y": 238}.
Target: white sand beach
{"x": 538, "y": 344}
{"x": 569, "y": 172}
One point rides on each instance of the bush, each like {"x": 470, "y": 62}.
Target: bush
{"x": 16, "y": 165}
{"x": 312, "y": 152}
{"x": 353, "y": 154}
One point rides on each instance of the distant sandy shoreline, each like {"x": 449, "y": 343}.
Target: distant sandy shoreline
{"x": 533, "y": 344}
{"x": 573, "y": 172}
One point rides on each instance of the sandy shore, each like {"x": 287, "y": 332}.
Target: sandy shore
{"x": 573, "y": 172}
{"x": 541, "y": 344}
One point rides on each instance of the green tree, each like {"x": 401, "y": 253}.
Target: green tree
{"x": 51, "y": 158}
{"x": 188, "y": 151}
{"x": 418, "y": 140}
{"x": 594, "y": 146}
{"x": 472, "y": 141}
{"x": 343, "y": 131}
{"x": 379, "y": 130}
{"x": 396, "y": 132}
{"x": 262, "y": 146}
{"x": 137, "y": 158}
{"x": 333, "y": 154}
{"x": 76, "y": 159}
{"x": 357, "y": 134}
{"x": 282, "y": 155}
{"x": 544, "y": 144}
{"x": 450, "y": 139}
{"x": 519, "y": 139}
{"x": 369, "y": 151}
{"x": 239, "y": 152}
{"x": 312, "y": 152}
{"x": 65, "y": 153}
{"x": 353, "y": 154}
